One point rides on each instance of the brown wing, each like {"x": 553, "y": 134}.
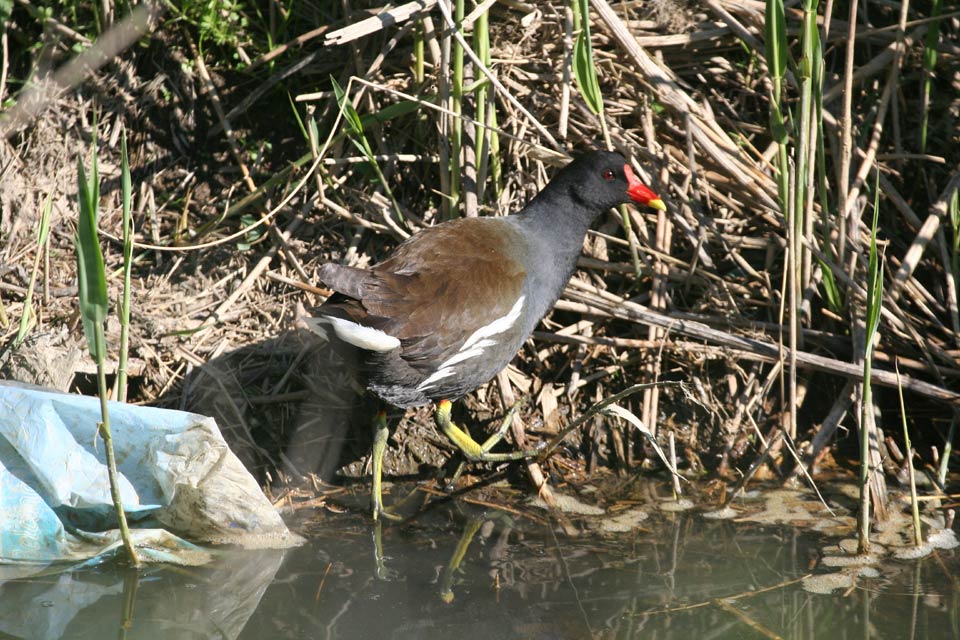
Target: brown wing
{"x": 443, "y": 284}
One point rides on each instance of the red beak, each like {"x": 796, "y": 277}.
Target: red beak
{"x": 640, "y": 192}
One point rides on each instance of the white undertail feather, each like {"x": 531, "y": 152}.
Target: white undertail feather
{"x": 475, "y": 344}
{"x": 356, "y": 334}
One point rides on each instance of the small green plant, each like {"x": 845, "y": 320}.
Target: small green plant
{"x": 222, "y": 22}
{"x": 929, "y": 65}
{"x": 27, "y": 318}
{"x": 954, "y": 208}
{"x": 947, "y": 452}
{"x": 123, "y": 307}
{"x": 585, "y": 71}
{"x": 775, "y": 42}
{"x": 488, "y": 142}
{"x": 456, "y": 95}
{"x": 914, "y": 504}
{"x": 872, "y": 324}
{"x": 92, "y": 285}
{"x": 357, "y": 136}
{"x": 801, "y": 134}
{"x": 419, "y": 54}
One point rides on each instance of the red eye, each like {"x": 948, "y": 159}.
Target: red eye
{"x": 607, "y": 174}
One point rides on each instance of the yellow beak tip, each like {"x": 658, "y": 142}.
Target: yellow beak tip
{"x": 657, "y": 203}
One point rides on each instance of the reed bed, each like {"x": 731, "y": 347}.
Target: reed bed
{"x": 318, "y": 132}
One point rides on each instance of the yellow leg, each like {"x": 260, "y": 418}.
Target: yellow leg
{"x": 380, "y": 435}
{"x": 473, "y": 450}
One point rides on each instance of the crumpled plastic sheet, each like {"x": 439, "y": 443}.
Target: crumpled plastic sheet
{"x": 178, "y": 481}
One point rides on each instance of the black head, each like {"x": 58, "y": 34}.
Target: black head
{"x": 599, "y": 180}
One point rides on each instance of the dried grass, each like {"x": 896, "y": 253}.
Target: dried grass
{"x": 685, "y": 92}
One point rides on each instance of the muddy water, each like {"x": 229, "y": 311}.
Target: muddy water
{"x": 459, "y": 571}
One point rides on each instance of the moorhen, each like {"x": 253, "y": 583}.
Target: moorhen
{"x": 452, "y": 305}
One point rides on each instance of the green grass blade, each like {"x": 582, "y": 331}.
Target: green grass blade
{"x": 914, "y": 504}
{"x": 488, "y": 149}
{"x": 481, "y": 44}
{"x": 359, "y": 139}
{"x": 955, "y": 217}
{"x": 929, "y": 65}
{"x": 297, "y": 117}
{"x": 947, "y": 452}
{"x": 313, "y": 133}
{"x": 778, "y": 125}
{"x": 419, "y": 54}
{"x": 775, "y": 35}
{"x": 91, "y": 276}
{"x": 390, "y": 112}
{"x": 874, "y": 277}
{"x": 586, "y": 74}
{"x": 126, "y": 192}
{"x": 92, "y": 286}
{"x": 584, "y": 69}
{"x": 775, "y": 47}
{"x": 456, "y": 105}
{"x": 955, "y": 223}
{"x": 124, "y": 310}
{"x": 831, "y": 290}
{"x": 350, "y": 115}
{"x": 42, "y": 233}
{"x": 874, "y": 302}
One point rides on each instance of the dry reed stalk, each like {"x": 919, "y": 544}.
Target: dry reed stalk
{"x": 686, "y": 101}
{"x": 620, "y": 308}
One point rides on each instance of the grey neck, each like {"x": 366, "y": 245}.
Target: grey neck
{"x": 554, "y": 234}
{"x": 557, "y": 223}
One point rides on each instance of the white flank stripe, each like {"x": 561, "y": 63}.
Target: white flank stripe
{"x": 497, "y": 326}
{"x": 475, "y": 344}
{"x": 358, "y": 335}
{"x": 434, "y": 377}
{"x": 461, "y": 356}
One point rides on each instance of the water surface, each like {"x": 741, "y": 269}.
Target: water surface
{"x": 461, "y": 571}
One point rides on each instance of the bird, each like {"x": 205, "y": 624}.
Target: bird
{"x": 453, "y": 304}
